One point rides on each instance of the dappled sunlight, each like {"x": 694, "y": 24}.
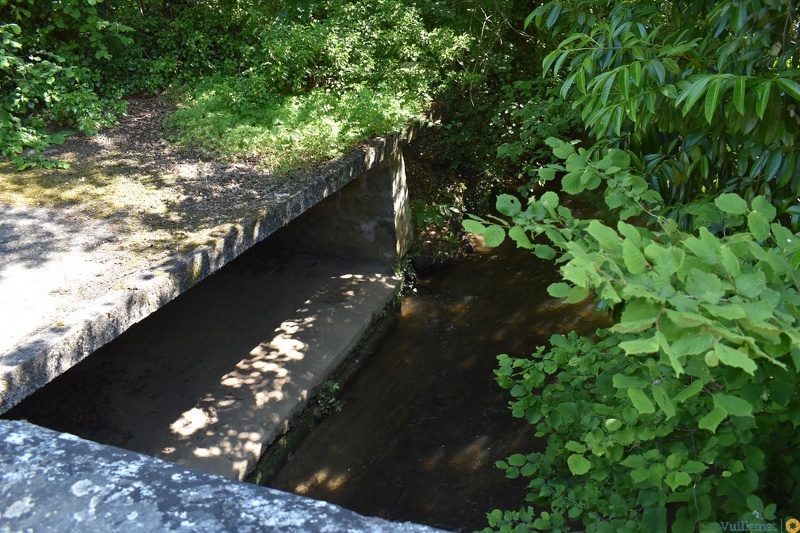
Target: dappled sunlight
{"x": 473, "y": 456}
{"x": 192, "y": 421}
{"x": 252, "y": 400}
{"x": 434, "y": 460}
{"x": 322, "y": 479}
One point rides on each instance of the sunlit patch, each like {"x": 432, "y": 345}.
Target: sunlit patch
{"x": 473, "y": 456}
{"x": 205, "y": 453}
{"x": 322, "y": 478}
{"x": 317, "y": 478}
{"x": 289, "y": 327}
{"x": 191, "y": 422}
{"x": 288, "y": 347}
{"x": 431, "y": 462}
{"x": 336, "y": 482}
{"x": 264, "y": 397}
{"x": 228, "y": 402}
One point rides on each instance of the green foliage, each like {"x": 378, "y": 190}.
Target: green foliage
{"x": 689, "y": 402}
{"x": 324, "y": 79}
{"x": 705, "y": 93}
{"x": 51, "y": 58}
{"x": 326, "y": 401}
{"x": 284, "y": 132}
{"x": 305, "y": 77}
{"x": 537, "y": 112}
{"x": 683, "y": 413}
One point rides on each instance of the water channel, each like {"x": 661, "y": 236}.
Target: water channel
{"x": 424, "y": 422}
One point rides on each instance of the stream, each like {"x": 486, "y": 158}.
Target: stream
{"x": 423, "y": 423}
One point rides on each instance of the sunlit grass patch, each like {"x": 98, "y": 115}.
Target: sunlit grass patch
{"x": 284, "y": 132}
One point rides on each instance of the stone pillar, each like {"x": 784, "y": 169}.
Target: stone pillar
{"x": 369, "y": 218}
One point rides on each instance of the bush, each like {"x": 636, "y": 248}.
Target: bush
{"x": 684, "y": 412}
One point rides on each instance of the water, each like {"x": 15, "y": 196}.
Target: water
{"x": 424, "y": 422}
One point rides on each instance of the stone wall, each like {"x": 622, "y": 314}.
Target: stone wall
{"x": 369, "y": 218}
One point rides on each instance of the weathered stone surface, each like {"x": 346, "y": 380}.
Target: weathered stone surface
{"x": 58, "y": 482}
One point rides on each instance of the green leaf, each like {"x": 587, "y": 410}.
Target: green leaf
{"x": 692, "y": 344}
{"x": 784, "y": 237}
{"x": 762, "y": 98}
{"x": 693, "y": 388}
{"x": 712, "y": 99}
{"x": 758, "y": 225}
{"x": 694, "y": 467}
{"x": 520, "y": 236}
{"x": 558, "y": 290}
{"x": 494, "y": 236}
{"x": 704, "y": 285}
{"x": 637, "y": 346}
{"x": 640, "y": 401}
{"x": 663, "y": 400}
{"x": 674, "y": 461}
{"x": 738, "y": 95}
{"x": 633, "y": 257}
{"x": 712, "y": 419}
{"x": 552, "y": 18}
{"x": 733, "y": 405}
{"x": 605, "y": 236}
{"x": 640, "y": 475}
{"x": 728, "y": 311}
{"x": 621, "y": 381}
{"x": 731, "y": 203}
{"x": 473, "y": 226}
{"x": 638, "y": 315}
{"x": 729, "y": 261}
{"x": 634, "y": 461}
{"x": 543, "y": 251}
{"x": 791, "y": 87}
{"x": 577, "y": 294}
{"x": 571, "y": 183}
{"x": 751, "y": 285}
{"x": 508, "y": 205}
{"x": 575, "y": 446}
{"x": 578, "y": 464}
{"x": 561, "y": 149}
{"x": 517, "y": 460}
{"x": 692, "y": 94}
{"x": 678, "y": 479}
{"x": 732, "y": 357}
{"x": 761, "y": 205}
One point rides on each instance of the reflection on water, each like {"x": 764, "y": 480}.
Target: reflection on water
{"x": 424, "y": 422}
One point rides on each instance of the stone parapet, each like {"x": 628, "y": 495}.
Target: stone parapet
{"x": 56, "y": 482}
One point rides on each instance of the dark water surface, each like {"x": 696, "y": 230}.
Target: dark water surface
{"x": 424, "y": 422}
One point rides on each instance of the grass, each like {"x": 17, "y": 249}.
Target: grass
{"x": 282, "y": 133}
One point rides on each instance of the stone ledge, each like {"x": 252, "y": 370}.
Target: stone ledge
{"x": 58, "y": 482}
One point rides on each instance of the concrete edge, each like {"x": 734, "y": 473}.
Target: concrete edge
{"x": 334, "y": 369}
{"x": 295, "y": 428}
